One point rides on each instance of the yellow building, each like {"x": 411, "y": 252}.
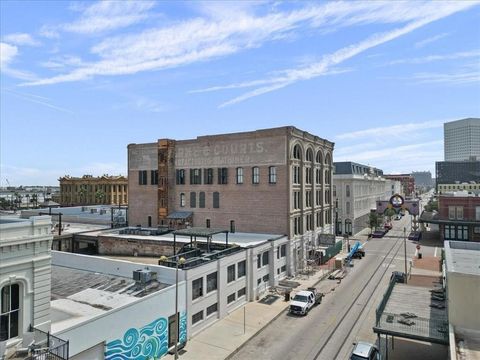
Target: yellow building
{"x": 89, "y": 190}
{"x": 470, "y": 187}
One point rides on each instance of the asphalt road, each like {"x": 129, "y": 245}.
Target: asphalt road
{"x": 347, "y": 312}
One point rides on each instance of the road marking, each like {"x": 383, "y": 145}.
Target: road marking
{"x": 435, "y": 254}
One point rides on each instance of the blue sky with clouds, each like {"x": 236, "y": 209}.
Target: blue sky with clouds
{"x": 82, "y": 80}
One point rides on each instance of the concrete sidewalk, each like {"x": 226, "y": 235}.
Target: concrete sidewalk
{"x": 227, "y": 335}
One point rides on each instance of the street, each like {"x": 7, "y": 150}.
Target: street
{"x": 347, "y": 312}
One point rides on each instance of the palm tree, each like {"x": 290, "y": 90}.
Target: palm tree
{"x": 82, "y": 193}
{"x": 28, "y": 200}
{"x": 34, "y": 200}
{"x": 100, "y": 196}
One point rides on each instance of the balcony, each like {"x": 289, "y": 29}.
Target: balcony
{"x": 40, "y": 345}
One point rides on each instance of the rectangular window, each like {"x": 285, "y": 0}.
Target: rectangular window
{"x": 347, "y": 206}
{"x": 154, "y": 177}
{"x": 318, "y": 197}
{"x": 272, "y": 175}
{"x": 222, "y": 176}
{"x": 201, "y": 200}
{"x": 318, "y": 176}
{"x": 232, "y": 226}
{"x": 242, "y": 268}
{"x": 142, "y": 177}
{"x": 308, "y": 198}
{"x": 195, "y": 176}
{"x": 212, "y": 309}
{"x": 259, "y": 281}
{"x": 460, "y": 212}
{"x": 259, "y": 261}
{"x": 197, "y": 317}
{"x": 182, "y": 200}
{"x": 197, "y": 288}
{"x": 231, "y": 273}
{"x": 239, "y": 175}
{"x": 211, "y": 282}
{"x": 255, "y": 175}
{"x": 296, "y": 200}
{"x": 207, "y": 223}
{"x": 296, "y": 175}
{"x": 451, "y": 212}
{"x": 477, "y": 213}
{"x": 462, "y": 232}
{"x": 283, "y": 250}
{"x": 180, "y": 177}
{"x": 216, "y": 200}
{"x": 266, "y": 278}
{"x": 265, "y": 258}
{"x": 193, "y": 199}
{"x": 208, "y": 176}
{"x": 241, "y": 292}
{"x": 283, "y": 268}
{"x": 308, "y": 175}
{"x": 231, "y": 298}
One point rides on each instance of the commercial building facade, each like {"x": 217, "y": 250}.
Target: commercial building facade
{"x": 407, "y": 181}
{"x": 422, "y": 178}
{"x": 356, "y": 188}
{"x": 471, "y": 187}
{"x": 462, "y": 139}
{"x": 90, "y": 190}
{"x": 265, "y": 181}
{"x": 459, "y": 216}
{"x": 451, "y": 172}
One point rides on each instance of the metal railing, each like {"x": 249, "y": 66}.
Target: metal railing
{"x": 48, "y": 347}
{"x": 383, "y": 303}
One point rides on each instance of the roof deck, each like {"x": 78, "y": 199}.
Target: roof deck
{"x": 410, "y": 312}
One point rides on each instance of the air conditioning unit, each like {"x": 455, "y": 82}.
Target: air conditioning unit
{"x": 144, "y": 276}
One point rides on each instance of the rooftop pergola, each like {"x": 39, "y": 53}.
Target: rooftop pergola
{"x": 200, "y": 232}
{"x": 412, "y": 312}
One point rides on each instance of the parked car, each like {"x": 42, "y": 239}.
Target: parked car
{"x": 415, "y": 236}
{"x": 304, "y": 300}
{"x": 364, "y": 351}
{"x": 378, "y": 234}
{"x": 398, "y": 277}
{"x": 388, "y": 226}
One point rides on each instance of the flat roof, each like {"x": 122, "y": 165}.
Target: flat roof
{"x": 78, "y": 295}
{"x": 426, "y": 323}
{"x": 463, "y": 257}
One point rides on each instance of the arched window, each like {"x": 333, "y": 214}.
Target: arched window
{"x": 9, "y": 311}
{"x": 309, "y": 155}
{"x": 319, "y": 157}
{"x": 328, "y": 159}
{"x": 297, "y": 152}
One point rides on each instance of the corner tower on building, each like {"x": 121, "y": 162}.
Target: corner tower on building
{"x": 265, "y": 181}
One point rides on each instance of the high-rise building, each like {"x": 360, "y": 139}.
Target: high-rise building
{"x": 462, "y": 139}
{"x": 265, "y": 181}
{"x": 452, "y": 172}
{"x": 422, "y": 178}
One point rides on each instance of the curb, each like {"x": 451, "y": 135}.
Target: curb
{"x": 323, "y": 277}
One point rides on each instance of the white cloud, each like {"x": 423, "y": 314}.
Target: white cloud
{"x": 431, "y": 58}
{"x": 458, "y": 77}
{"x": 7, "y": 53}
{"x": 49, "y": 32}
{"x": 21, "y": 39}
{"x": 40, "y": 100}
{"x": 110, "y": 15}
{"x": 203, "y": 39}
{"x": 427, "y": 41}
{"x": 382, "y": 131}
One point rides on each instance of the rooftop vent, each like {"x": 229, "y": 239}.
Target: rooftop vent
{"x": 144, "y": 276}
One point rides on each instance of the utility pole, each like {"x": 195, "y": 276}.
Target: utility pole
{"x": 405, "y": 249}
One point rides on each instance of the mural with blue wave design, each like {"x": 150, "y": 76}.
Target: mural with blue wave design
{"x": 149, "y": 342}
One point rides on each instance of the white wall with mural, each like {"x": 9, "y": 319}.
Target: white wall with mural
{"x": 138, "y": 330}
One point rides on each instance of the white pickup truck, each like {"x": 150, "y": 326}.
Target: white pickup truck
{"x": 304, "y": 300}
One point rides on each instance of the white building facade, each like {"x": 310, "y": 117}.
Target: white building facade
{"x": 24, "y": 277}
{"x": 357, "y": 187}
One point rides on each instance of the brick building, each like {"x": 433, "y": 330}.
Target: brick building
{"x": 89, "y": 190}
{"x": 266, "y": 181}
{"x": 459, "y": 216}
{"x": 407, "y": 181}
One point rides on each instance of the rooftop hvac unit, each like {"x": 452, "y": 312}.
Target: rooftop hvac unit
{"x": 144, "y": 276}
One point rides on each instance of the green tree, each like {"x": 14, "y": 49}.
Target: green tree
{"x": 431, "y": 206}
{"x": 100, "y": 196}
{"x": 374, "y": 220}
{"x": 389, "y": 213}
{"x": 34, "y": 200}
{"x": 83, "y": 194}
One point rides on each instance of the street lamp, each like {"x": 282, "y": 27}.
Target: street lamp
{"x": 177, "y": 261}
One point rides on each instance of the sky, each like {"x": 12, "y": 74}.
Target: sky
{"x": 82, "y": 80}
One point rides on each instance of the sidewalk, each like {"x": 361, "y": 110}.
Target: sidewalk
{"x": 227, "y": 335}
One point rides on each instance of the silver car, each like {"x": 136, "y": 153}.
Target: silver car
{"x": 365, "y": 351}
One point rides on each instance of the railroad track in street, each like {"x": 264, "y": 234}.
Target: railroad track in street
{"x": 398, "y": 245}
